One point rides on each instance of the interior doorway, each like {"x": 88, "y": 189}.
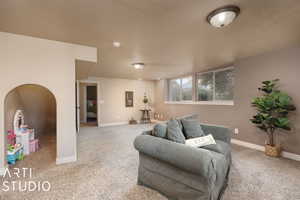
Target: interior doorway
{"x": 89, "y": 108}
{"x": 30, "y": 123}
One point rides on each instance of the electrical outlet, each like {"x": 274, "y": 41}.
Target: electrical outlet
{"x": 236, "y": 131}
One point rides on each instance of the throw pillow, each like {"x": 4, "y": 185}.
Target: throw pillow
{"x": 187, "y": 117}
{"x": 201, "y": 141}
{"x": 192, "y": 128}
{"x": 160, "y": 130}
{"x": 179, "y": 124}
{"x": 174, "y": 133}
{"x": 190, "y": 117}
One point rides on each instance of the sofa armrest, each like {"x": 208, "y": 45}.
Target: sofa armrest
{"x": 218, "y": 132}
{"x": 195, "y": 160}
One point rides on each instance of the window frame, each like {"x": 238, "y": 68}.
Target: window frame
{"x": 229, "y": 102}
{"x": 180, "y": 93}
{"x": 195, "y": 100}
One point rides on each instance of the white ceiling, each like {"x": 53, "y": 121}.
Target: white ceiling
{"x": 171, "y": 37}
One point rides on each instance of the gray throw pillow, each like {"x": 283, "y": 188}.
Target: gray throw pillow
{"x": 188, "y": 117}
{"x": 179, "y": 123}
{"x": 160, "y": 130}
{"x": 192, "y": 128}
{"x": 174, "y": 132}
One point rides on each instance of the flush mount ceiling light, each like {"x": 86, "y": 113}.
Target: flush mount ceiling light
{"x": 116, "y": 44}
{"x": 223, "y": 16}
{"x": 138, "y": 65}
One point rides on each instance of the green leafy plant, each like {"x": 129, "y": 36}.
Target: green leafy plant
{"x": 272, "y": 108}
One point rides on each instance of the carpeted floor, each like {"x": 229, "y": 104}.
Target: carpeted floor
{"x": 107, "y": 170}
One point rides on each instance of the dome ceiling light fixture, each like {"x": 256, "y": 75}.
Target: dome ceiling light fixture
{"x": 116, "y": 44}
{"x": 138, "y": 65}
{"x": 224, "y": 16}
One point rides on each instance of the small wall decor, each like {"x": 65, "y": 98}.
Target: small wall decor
{"x": 128, "y": 98}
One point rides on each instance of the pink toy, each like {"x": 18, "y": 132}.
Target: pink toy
{"x": 24, "y": 128}
{"x": 11, "y": 138}
{"x": 31, "y": 134}
{"x": 33, "y": 145}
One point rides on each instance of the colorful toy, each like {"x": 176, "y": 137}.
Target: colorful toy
{"x": 23, "y": 138}
{"x": 34, "y": 145}
{"x": 14, "y": 153}
{"x": 11, "y": 137}
{"x": 23, "y": 133}
{"x": 24, "y": 128}
{"x": 31, "y": 134}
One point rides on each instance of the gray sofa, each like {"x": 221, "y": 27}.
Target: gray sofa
{"x": 181, "y": 172}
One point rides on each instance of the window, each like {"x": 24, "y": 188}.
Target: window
{"x": 205, "y": 87}
{"x": 175, "y": 87}
{"x": 211, "y": 88}
{"x": 215, "y": 85}
{"x": 224, "y": 81}
{"x": 181, "y": 89}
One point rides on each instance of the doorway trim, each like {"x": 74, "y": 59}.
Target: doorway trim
{"x": 84, "y": 99}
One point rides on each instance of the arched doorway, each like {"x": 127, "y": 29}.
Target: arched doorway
{"x": 35, "y": 106}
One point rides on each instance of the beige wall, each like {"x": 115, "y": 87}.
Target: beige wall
{"x": 283, "y": 64}
{"x": 28, "y": 60}
{"x": 112, "y": 99}
{"x": 39, "y": 108}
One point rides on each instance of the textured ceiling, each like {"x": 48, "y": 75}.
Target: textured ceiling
{"x": 171, "y": 37}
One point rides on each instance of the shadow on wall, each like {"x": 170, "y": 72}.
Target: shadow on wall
{"x": 38, "y": 105}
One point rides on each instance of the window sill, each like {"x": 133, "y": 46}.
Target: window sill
{"x": 221, "y": 103}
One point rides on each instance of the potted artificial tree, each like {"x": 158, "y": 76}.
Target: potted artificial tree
{"x": 272, "y": 108}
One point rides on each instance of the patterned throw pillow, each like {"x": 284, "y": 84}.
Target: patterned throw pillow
{"x": 201, "y": 141}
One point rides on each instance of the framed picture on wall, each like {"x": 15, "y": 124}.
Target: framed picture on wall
{"x": 129, "y": 99}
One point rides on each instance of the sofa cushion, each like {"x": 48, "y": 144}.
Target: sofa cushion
{"x": 191, "y": 128}
{"x": 160, "y": 130}
{"x": 174, "y": 132}
{"x": 220, "y": 147}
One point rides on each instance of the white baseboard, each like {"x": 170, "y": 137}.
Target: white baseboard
{"x": 262, "y": 148}
{"x": 289, "y": 155}
{"x": 248, "y": 145}
{"x": 66, "y": 160}
{"x": 157, "y": 121}
{"x": 113, "y": 124}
